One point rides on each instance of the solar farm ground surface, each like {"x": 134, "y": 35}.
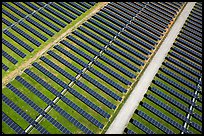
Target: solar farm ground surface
{"x": 86, "y": 98}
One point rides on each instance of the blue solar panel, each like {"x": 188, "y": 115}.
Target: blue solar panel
{"x": 167, "y": 108}
{"x": 131, "y": 43}
{"x": 107, "y": 23}
{"x": 154, "y": 122}
{"x": 63, "y": 11}
{"x": 141, "y": 126}
{"x": 9, "y": 57}
{"x": 109, "y": 81}
{"x": 5, "y": 68}
{"x": 102, "y": 87}
{"x": 77, "y": 6}
{"x": 179, "y": 79}
{"x": 20, "y": 42}
{"x": 146, "y": 28}
{"x": 61, "y": 16}
{"x": 12, "y": 124}
{"x": 63, "y": 61}
{"x": 112, "y": 19}
{"x": 70, "y": 8}
{"x": 174, "y": 68}
{"x": 54, "y": 19}
{"x": 131, "y": 50}
{"x": 95, "y": 95}
{"x": 129, "y": 65}
{"x": 25, "y": 98}
{"x": 6, "y": 22}
{"x": 164, "y": 117}
{"x": 28, "y": 37}
{"x": 13, "y": 48}
{"x": 188, "y": 62}
{"x": 35, "y": 32}
{"x": 51, "y": 25}
{"x": 114, "y": 74}
{"x": 83, "y": 45}
{"x": 71, "y": 56}
{"x": 23, "y": 7}
{"x": 10, "y": 15}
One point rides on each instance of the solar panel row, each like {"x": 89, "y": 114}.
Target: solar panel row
{"x": 13, "y": 48}
{"x": 9, "y": 57}
{"x": 141, "y": 126}
{"x": 12, "y": 124}
{"x": 5, "y": 68}
{"x": 154, "y": 122}
{"x": 164, "y": 117}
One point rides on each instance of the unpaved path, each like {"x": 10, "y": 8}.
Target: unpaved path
{"x": 126, "y": 112}
{"x": 27, "y": 64}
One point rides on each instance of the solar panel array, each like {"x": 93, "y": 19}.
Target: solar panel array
{"x": 173, "y": 103}
{"x": 84, "y": 96}
{"x": 28, "y": 25}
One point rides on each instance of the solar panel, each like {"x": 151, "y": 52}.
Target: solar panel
{"x": 5, "y": 68}
{"x": 154, "y": 122}
{"x": 112, "y": 19}
{"x": 141, "y": 56}
{"x": 120, "y": 13}
{"x": 63, "y": 51}
{"x": 175, "y": 92}
{"x": 95, "y": 95}
{"x": 128, "y": 41}
{"x": 164, "y": 117}
{"x": 172, "y": 101}
{"x": 82, "y": 112}
{"x": 28, "y": 37}
{"x": 109, "y": 81}
{"x": 63, "y": 10}
{"x": 189, "y": 56}
{"x": 114, "y": 74}
{"x": 119, "y": 59}
{"x": 34, "y": 90}
{"x": 141, "y": 126}
{"x": 143, "y": 20}
{"x": 145, "y": 27}
{"x": 179, "y": 79}
{"x": 20, "y": 42}
{"x": 77, "y": 6}
{"x": 25, "y": 98}
{"x": 10, "y": 15}
{"x": 96, "y": 16}
{"x": 83, "y": 45}
{"x": 98, "y": 38}
{"x": 23, "y": 7}
{"x": 9, "y": 57}
{"x": 6, "y": 22}
{"x": 54, "y": 19}
{"x": 71, "y": 119}
{"x": 141, "y": 42}
{"x": 167, "y": 108}
{"x": 142, "y": 36}
{"x": 182, "y": 73}
{"x": 51, "y": 25}
{"x": 57, "y": 124}
{"x": 188, "y": 62}
{"x": 70, "y": 8}
{"x": 61, "y": 16}
{"x": 12, "y": 124}
{"x": 57, "y": 68}
{"x": 43, "y": 83}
